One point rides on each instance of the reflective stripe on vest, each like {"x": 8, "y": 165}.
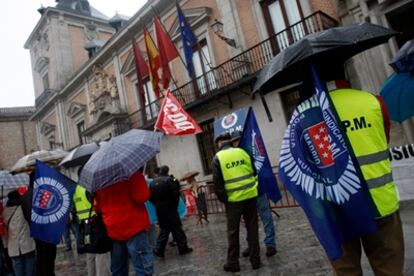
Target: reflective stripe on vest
{"x": 82, "y": 204}
{"x": 238, "y": 174}
{"x": 365, "y": 130}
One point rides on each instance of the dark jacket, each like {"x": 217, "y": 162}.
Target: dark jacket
{"x": 218, "y": 179}
{"x": 165, "y": 192}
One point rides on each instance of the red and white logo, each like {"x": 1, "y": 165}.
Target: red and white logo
{"x": 321, "y": 150}
{"x": 174, "y": 120}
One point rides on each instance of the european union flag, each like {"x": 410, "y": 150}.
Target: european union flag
{"x": 316, "y": 167}
{"x": 51, "y": 203}
{"x": 189, "y": 41}
{"x": 252, "y": 142}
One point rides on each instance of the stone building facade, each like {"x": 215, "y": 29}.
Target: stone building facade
{"x": 17, "y": 135}
{"x": 85, "y": 79}
{"x": 370, "y": 69}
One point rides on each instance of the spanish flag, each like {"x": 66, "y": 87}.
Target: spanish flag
{"x": 154, "y": 62}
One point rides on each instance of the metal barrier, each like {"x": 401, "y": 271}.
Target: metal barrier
{"x": 214, "y": 206}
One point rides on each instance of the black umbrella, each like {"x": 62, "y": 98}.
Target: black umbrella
{"x": 80, "y": 155}
{"x": 328, "y": 50}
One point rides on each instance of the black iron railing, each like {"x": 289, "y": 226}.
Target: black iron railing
{"x": 237, "y": 68}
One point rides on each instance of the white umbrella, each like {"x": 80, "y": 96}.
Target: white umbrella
{"x": 27, "y": 162}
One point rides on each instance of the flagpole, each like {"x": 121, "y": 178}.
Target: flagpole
{"x": 140, "y": 84}
{"x": 165, "y": 30}
{"x": 182, "y": 60}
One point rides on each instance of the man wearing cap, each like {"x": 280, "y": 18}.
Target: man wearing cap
{"x": 236, "y": 186}
{"x": 263, "y": 209}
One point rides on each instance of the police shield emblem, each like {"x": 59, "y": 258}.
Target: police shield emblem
{"x": 51, "y": 203}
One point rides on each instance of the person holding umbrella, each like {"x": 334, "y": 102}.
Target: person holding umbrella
{"x": 119, "y": 203}
{"x": 365, "y": 122}
{"x": 113, "y": 174}
{"x": 367, "y": 125}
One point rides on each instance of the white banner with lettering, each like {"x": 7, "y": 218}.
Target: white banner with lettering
{"x": 402, "y": 162}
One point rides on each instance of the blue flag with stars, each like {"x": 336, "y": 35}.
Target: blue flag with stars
{"x": 189, "y": 41}
{"x": 317, "y": 169}
{"x": 252, "y": 142}
{"x": 51, "y": 203}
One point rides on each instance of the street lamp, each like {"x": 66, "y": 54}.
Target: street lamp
{"x": 217, "y": 28}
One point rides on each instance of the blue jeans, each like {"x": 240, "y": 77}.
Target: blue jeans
{"x": 140, "y": 253}
{"x": 75, "y": 230}
{"x": 152, "y": 236}
{"x": 265, "y": 214}
{"x": 24, "y": 265}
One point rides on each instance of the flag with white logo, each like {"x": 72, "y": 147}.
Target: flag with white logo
{"x": 51, "y": 203}
{"x": 252, "y": 142}
{"x": 173, "y": 119}
{"x": 316, "y": 167}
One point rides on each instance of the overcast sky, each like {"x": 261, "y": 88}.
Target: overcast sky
{"x": 18, "y": 18}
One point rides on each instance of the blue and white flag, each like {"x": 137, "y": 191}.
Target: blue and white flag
{"x": 51, "y": 203}
{"x": 316, "y": 167}
{"x": 252, "y": 142}
{"x": 189, "y": 41}
{"x": 230, "y": 123}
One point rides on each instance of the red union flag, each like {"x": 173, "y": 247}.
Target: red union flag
{"x": 174, "y": 120}
{"x": 321, "y": 142}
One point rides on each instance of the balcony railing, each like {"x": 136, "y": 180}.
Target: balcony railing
{"x": 242, "y": 67}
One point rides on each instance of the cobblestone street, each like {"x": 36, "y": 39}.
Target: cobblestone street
{"x": 299, "y": 253}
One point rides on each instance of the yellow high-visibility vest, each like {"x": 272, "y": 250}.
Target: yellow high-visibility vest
{"x": 361, "y": 115}
{"x": 82, "y": 204}
{"x": 238, "y": 174}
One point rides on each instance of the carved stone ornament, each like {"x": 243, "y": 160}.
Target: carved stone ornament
{"x": 46, "y": 129}
{"x": 99, "y": 81}
{"x": 75, "y": 109}
{"x": 90, "y": 32}
{"x": 104, "y": 96}
{"x": 113, "y": 88}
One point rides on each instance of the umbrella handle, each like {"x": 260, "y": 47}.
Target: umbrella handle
{"x": 266, "y": 107}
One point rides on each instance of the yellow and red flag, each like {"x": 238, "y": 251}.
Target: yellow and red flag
{"x": 154, "y": 62}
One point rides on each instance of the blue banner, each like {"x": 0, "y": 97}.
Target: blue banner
{"x": 189, "y": 41}
{"x": 317, "y": 169}
{"x": 252, "y": 142}
{"x": 51, "y": 203}
{"x": 231, "y": 122}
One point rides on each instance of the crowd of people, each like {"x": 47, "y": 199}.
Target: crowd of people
{"x": 124, "y": 209}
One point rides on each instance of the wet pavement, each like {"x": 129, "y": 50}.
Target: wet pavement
{"x": 299, "y": 253}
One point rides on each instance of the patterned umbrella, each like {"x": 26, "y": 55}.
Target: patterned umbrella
{"x": 120, "y": 158}
{"x": 27, "y": 162}
{"x": 7, "y": 180}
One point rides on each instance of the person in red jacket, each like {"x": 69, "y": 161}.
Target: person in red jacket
{"x": 126, "y": 220}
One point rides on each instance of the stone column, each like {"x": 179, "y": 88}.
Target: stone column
{"x": 62, "y": 124}
{"x": 123, "y": 99}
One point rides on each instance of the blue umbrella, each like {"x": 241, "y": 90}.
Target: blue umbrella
{"x": 398, "y": 93}
{"x": 120, "y": 158}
